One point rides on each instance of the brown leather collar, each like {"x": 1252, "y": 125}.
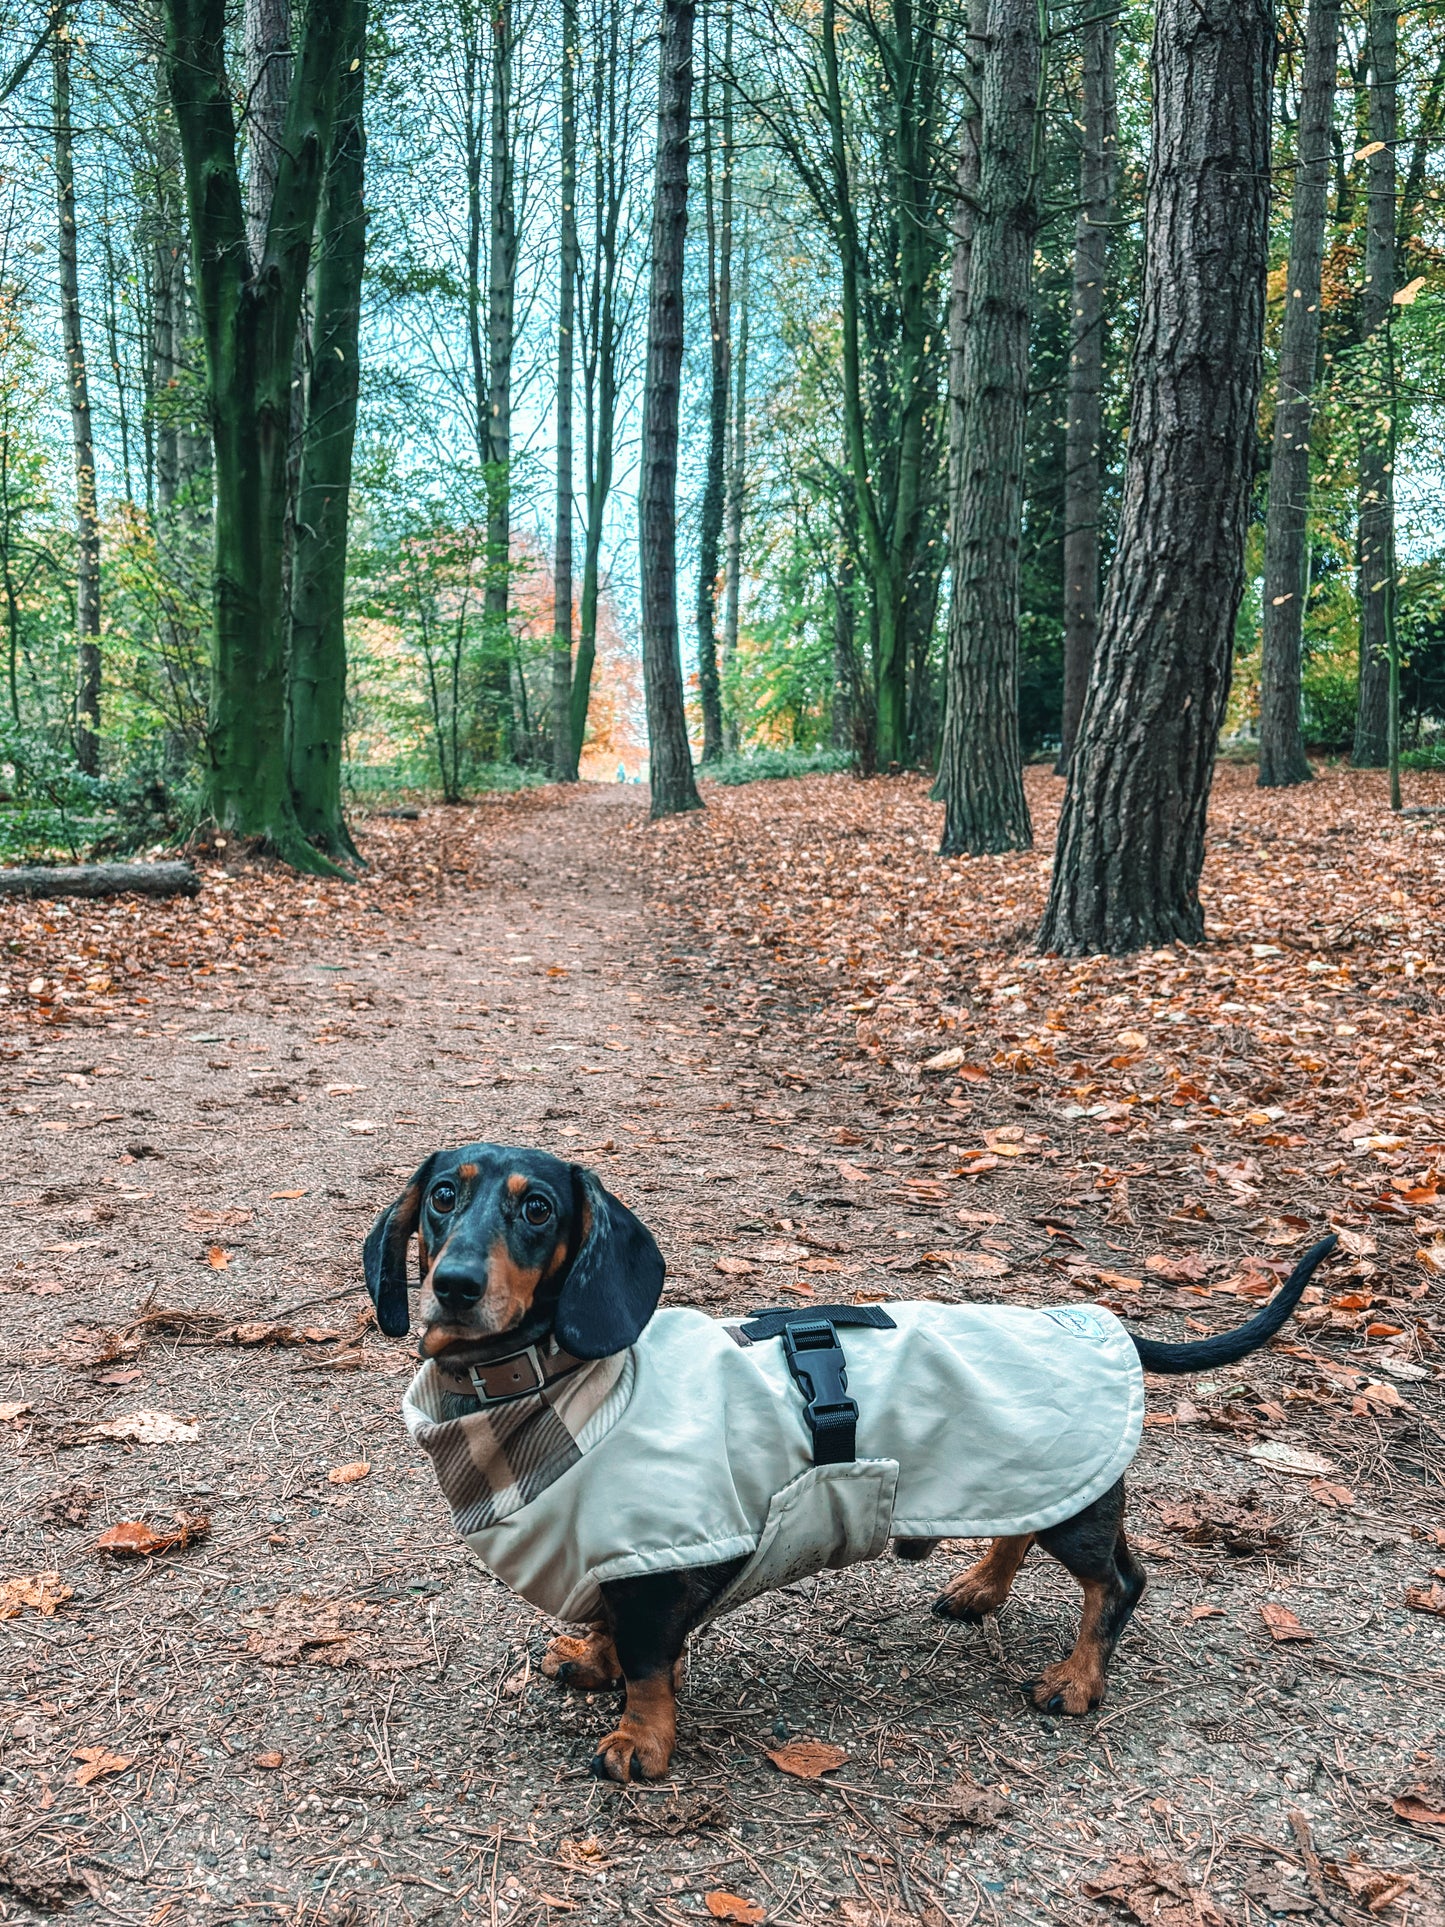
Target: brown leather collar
{"x": 496, "y": 1381}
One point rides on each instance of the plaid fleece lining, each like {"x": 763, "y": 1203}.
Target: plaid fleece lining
{"x": 492, "y": 1461}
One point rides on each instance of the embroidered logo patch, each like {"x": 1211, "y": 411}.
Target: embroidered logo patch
{"x": 1082, "y": 1320}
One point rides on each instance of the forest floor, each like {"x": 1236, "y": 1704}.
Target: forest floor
{"x": 320, "y": 1709}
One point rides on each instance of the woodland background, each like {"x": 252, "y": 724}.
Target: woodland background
{"x": 444, "y": 251}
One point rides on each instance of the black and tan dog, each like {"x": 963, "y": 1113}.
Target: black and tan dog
{"x": 529, "y": 1269}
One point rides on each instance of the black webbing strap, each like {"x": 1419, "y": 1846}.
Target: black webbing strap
{"x": 767, "y": 1324}
{"x": 820, "y": 1370}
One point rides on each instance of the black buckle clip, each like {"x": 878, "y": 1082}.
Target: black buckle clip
{"x": 820, "y": 1370}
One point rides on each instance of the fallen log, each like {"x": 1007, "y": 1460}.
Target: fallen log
{"x": 100, "y": 880}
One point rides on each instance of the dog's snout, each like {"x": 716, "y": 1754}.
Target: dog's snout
{"x": 455, "y": 1286}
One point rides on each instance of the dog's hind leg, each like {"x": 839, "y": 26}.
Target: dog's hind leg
{"x": 1093, "y": 1547}
{"x": 974, "y": 1594}
{"x": 588, "y": 1662}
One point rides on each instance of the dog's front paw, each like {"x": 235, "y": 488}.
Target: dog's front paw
{"x": 590, "y": 1664}
{"x": 632, "y": 1751}
{"x": 1066, "y": 1688}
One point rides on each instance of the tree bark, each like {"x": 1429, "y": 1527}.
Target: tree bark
{"x": 736, "y": 501}
{"x": 87, "y": 513}
{"x": 673, "y": 787}
{"x": 719, "y": 303}
{"x": 610, "y": 135}
{"x": 317, "y": 670}
{"x": 1377, "y": 483}
{"x": 168, "y": 307}
{"x": 980, "y": 776}
{"x": 249, "y": 317}
{"x": 101, "y": 880}
{"x": 1131, "y": 840}
{"x": 501, "y": 335}
{"x": 1083, "y": 459}
{"x": 266, "y": 32}
{"x": 1282, "y": 758}
{"x": 564, "y": 766}
{"x": 885, "y": 418}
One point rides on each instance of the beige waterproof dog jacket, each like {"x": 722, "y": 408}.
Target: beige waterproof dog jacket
{"x": 691, "y": 1448}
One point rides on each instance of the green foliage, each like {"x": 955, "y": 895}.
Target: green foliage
{"x": 763, "y": 765}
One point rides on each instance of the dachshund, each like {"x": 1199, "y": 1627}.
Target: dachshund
{"x": 565, "y": 1417}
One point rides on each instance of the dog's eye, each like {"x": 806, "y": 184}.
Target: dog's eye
{"x": 536, "y": 1210}
{"x": 443, "y": 1198}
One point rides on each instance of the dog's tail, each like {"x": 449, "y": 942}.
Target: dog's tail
{"x": 1207, "y": 1353}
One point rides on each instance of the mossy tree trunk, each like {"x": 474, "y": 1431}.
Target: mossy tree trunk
{"x": 317, "y": 680}
{"x": 249, "y": 312}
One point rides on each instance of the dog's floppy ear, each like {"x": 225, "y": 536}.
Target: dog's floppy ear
{"x": 616, "y": 1278}
{"x": 384, "y": 1253}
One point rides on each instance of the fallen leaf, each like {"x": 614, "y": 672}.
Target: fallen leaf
{"x": 1242, "y": 1527}
{"x": 725, "y": 1906}
{"x": 1155, "y": 1890}
{"x": 217, "y": 1259}
{"x": 1371, "y": 1887}
{"x": 851, "y": 1174}
{"x": 1421, "y": 1806}
{"x": 1331, "y": 1495}
{"x": 133, "y": 1539}
{"x": 268, "y": 1761}
{"x": 42, "y": 1592}
{"x": 361, "y": 1126}
{"x": 1426, "y": 1599}
{"x": 99, "y": 1761}
{"x": 952, "y": 1059}
{"x": 1432, "y": 1256}
{"x": 288, "y": 1194}
{"x": 964, "y": 1804}
{"x": 807, "y": 1759}
{"x": 144, "y": 1428}
{"x": 1186, "y": 1268}
{"x": 348, "y": 1474}
{"x": 733, "y": 1267}
{"x": 1282, "y": 1624}
{"x": 780, "y": 1254}
{"x": 1280, "y": 1457}
{"x": 16, "y": 1408}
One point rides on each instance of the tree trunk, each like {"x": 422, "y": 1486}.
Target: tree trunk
{"x": 249, "y": 319}
{"x": 266, "y": 31}
{"x": 168, "y": 308}
{"x": 101, "y": 880}
{"x": 87, "y": 514}
{"x": 719, "y": 303}
{"x": 501, "y": 333}
{"x": 980, "y": 777}
{"x": 1083, "y": 463}
{"x": 612, "y": 73}
{"x": 564, "y": 766}
{"x": 673, "y": 788}
{"x": 1131, "y": 841}
{"x": 1377, "y": 483}
{"x": 1282, "y": 758}
{"x": 736, "y": 498}
{"x": 317, "y": 680}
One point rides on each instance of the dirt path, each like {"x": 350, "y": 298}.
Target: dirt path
{"x": 409, "y": 1764}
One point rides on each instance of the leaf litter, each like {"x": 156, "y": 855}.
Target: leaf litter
{"x": 666, "y": 1119}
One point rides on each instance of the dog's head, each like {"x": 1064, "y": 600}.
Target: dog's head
{"x": 513, "y": 1245}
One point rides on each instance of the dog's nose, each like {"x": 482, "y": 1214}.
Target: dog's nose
{"x": 454, "y": 1286}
